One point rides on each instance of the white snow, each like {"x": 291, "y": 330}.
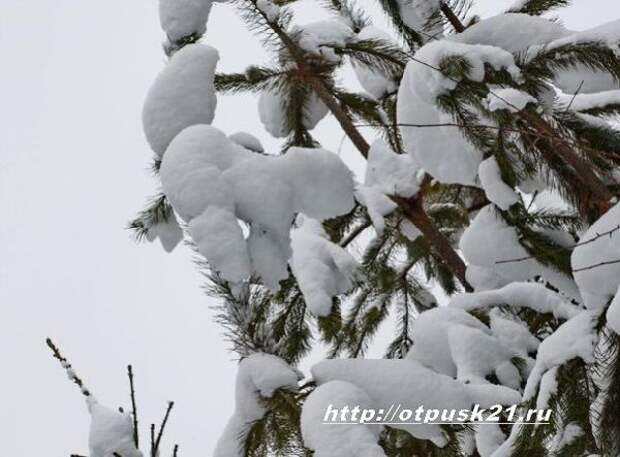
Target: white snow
{"x": 392, "y": 173}
{"x": 441, "y": 149}
{"x": 182, "y": 18}
{"x": 383, "y": 379}
{"x": 169, "y": 233}
{"x": 599, "y": 284}
{"x": 575, "y": 338}
{"x": 204, "y": 168}
{"x": 489, "y": 242}
{"x": 566, "y": 436}
{"x": 220, "y": 239}
{"x": 378, "y": 205}
{"x": 248, "y": 141}
{"x": 496, "y": 190}
{"x": 182, "y": 95}
{"x": 269, "y": 9}
{"x": 322, "y": 36}
{"x": 513, "y": 32}
{"x": 322, "y": 268}
{"x": 430, "y": 336}
{"x": 513, "y": 334}
{"x": 373, "y": 81}
{"x": 489, "y": 437}
{"x": 477, "y": 354}
{"x": 272, "y": 112}
{"x": 584, "y": 102}
{"x": 509, "y": 99}
{"x": 342, "y": 440}
{"x": 387, "y": 174}
{"x": 259, "y": 375}
{"x": 548, "y": 387}
{"x": 110, "y": 432}
{"x": 518, "y": 294}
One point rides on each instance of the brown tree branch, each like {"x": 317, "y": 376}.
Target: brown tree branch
{"x": 451, "y": 16}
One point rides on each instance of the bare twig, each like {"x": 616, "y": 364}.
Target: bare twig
{"x": 152, "y": 440}
{"x": 134, "y": 409}
{"x": 175, "y": 452}
{"x": 67, "y": 366}
{"x": 163, "y": 426}
{"x": 596, "y": 265}
{"x": 572, "y": 100}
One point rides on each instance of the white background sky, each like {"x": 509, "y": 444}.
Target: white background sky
{"x": 73, "y": 171}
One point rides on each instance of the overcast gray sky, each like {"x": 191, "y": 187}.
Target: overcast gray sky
{"x": 73, "y": 171}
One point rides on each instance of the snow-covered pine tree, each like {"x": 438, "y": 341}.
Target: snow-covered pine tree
{"x": 492, "y": 176}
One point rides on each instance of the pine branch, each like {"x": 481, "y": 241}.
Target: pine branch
{"x": 412, "y": 207}
{"x": 538, "y": 7}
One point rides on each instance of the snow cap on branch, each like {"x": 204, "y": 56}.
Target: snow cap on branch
{"x": 182, "y": 95}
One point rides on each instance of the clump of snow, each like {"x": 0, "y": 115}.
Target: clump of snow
{"x": 182, "y": 18}
{"x": 599, "y": 283}
{"x": 259, "y": 375}
{"x": 248, "y": 141}
{"x": 584, "y": 102}
{"x": 442, "y": 150}
{"x": 378, "y": 205}
{"x": 110, "y": 432}
{"x": 392, "y": 173}
{"x": 489, "y": 243}
{"x": 489, "y": 437}
{"x": 496, "y": 190}
{"x": 513, "y": 334}
{"x": 168, "y": 232}
{"x": 203, "y": 168}
{"x": 373, "y": 81}
{"x": 509, "y": 99}
{"x": 387, "y": 174}
{"x": 613, "y": 313}
{"x": 269, "y": 9}
{"x": 575, "y": 338}
{"x": 220, "y": 239}
{"x": 272, "y": 112}
{"x": 513, "y": 32}
{"x": 477, "y": 354}
{"x": 519, "y": 294}
{"x": 548, "y": 387}
{"x": 430, "y": 333}
{"x": 566, "y": 436}
{"x": 322, "y": 268}
{"x": 383, "y": 379}
{"x": 182, "y": 95}
{"x": 342, "y": 440}
{"x": 322, "y": 37}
